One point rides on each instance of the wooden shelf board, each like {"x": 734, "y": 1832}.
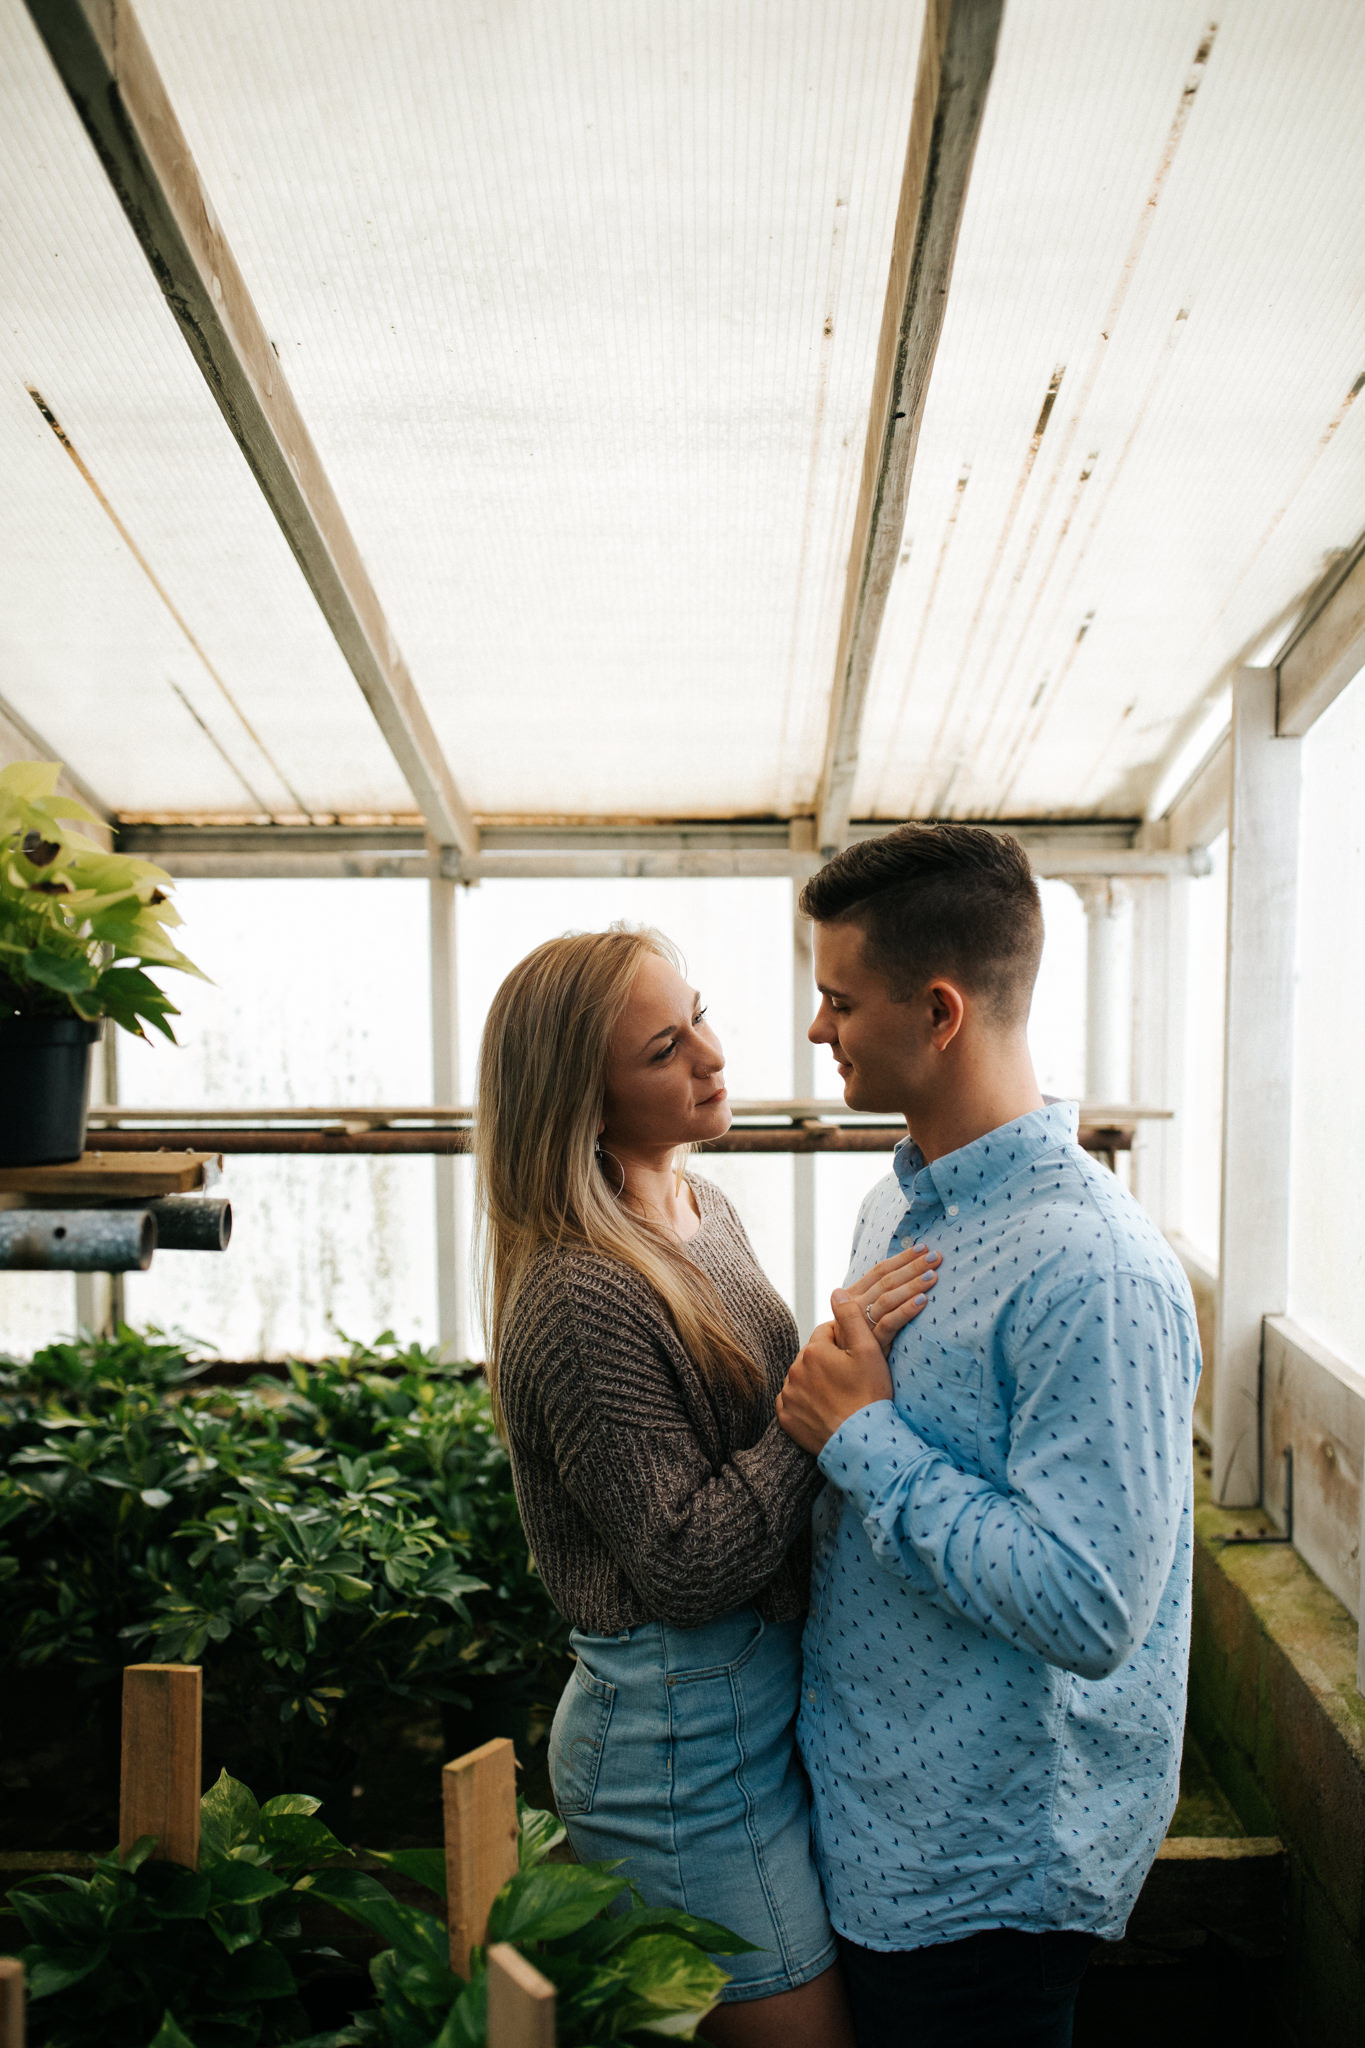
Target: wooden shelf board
{"x": 97, "y": 1176}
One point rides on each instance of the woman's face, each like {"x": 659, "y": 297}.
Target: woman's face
{"x": 665, "y": 1068}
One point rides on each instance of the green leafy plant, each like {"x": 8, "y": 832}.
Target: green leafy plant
{"x": 149, "y": 1955}
{"x": 622, "y": 1971}
{"x": 330, "y": 1548}
{"x": 147, "y": 1950}
{"x": 78, "y": 926}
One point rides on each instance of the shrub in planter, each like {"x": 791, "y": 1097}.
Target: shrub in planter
{"x": 323, "y": 1593}
{"x": 622, "y": 1971}
{"x": 78, "y": 929}
{"x": 146, "y": 1950}
{"x": 330, "y": 1550}
{"x": 149, "y": 1955}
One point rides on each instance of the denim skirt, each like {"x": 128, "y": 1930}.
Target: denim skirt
{"x": 673, "y": 1750}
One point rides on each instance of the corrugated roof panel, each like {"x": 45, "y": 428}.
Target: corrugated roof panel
{"x": 245, "y": 708}
{"x": 1138, "y": 446}
{"x": 580, "y": 305}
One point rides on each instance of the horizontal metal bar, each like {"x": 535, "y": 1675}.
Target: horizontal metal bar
{"x": 316, "y": 1142}
{"x": 595, "y": 849}
{"x": 641, "y": 863}
{"x": 76, "y": 1240}
{"x": 378, "y": 1116}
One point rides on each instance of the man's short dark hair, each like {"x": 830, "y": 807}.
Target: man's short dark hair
{"x": 956, "y": 900}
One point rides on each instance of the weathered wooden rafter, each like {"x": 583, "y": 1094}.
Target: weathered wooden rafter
{"x": 107, "y": 68}
{"x": 957, "y": 55}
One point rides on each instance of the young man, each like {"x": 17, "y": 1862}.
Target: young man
{"x": 995, "y": 1660}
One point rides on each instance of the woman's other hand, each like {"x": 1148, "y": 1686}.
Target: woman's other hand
{"x": 893, "y": 1293}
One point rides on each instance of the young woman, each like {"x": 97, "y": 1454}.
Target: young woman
{"x": 636, "y": 1351}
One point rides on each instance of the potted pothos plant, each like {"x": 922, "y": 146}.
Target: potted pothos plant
{"x": 78, "y": 929}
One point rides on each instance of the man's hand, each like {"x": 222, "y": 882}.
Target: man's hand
{"x": 840, "y": 1371}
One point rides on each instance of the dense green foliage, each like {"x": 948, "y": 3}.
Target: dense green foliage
{"x": 78, "y": 926}
{"x": 342, "y": 1538}
{"x": 149, "y": 1955}
{"x": 112, "y": 1957}
{"x": 622, "y": 1971}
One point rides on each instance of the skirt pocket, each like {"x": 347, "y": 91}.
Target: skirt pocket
{"x": 576, "y": 1739}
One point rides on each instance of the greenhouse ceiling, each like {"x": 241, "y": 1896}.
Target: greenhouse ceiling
{"x": 573, "y": 443}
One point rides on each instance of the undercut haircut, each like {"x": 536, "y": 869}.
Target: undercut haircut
{"x": 953, "y": 900}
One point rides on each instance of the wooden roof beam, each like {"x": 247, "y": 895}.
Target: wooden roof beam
{"x": 957, "y": 55}
{"x": 107, "y": 68}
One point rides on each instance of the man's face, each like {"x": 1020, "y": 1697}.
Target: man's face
{"x": 876, "y": 1042}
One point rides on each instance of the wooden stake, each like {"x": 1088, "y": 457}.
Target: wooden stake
{"x": 159, "y": 1786}
{"x": 12, "y": 2003}
{"x": 480, "y": 1797}
{"x": 521, "y": 2003}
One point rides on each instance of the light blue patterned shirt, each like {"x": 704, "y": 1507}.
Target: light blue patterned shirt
{"x": 995, "y": 1660}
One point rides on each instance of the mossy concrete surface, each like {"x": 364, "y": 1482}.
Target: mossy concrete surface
{"x": 1274, "y": 1707}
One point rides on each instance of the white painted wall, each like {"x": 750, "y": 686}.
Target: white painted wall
{"x": 1201, "y": 1136}
{"x": 1327, "y": 1240}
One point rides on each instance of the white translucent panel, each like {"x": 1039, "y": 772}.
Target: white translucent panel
{"x": 1057, "y": 1019}
{"x": 320, "y": 995}
{"x": 246, "y": 707}
{"x": 35, "y": 1308}
{"x": 1327, "y": 1245}
{"x": 321, "y": 1249}
{"x": 581, "y": 305}
{"x": 735, "y": 936}
{"x": 1200, "y": 1130}
{"x": 1142, "y": 438}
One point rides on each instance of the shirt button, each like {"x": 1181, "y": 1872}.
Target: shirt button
{"x": 952, "y": 1208}
{"x": 810, "y": 1695}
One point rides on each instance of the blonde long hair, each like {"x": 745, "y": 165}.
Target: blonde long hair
{"x": 542, "y": 1087}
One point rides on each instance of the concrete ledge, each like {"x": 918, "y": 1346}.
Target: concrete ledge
{"x": 1274, "y": 1706}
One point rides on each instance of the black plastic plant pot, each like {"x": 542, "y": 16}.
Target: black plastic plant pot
{"x": 44, "y": 1088}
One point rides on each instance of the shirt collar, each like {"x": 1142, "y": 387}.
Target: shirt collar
{"x": 974, "y": 1170}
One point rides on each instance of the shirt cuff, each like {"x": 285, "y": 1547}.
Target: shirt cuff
{"x": 871, "y": 1453}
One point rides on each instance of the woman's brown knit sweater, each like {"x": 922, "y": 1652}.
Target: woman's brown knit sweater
{"x": 650, "y": 1493}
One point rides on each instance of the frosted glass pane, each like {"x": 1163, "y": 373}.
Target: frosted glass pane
{"x": 1327, "y": 1243}
{"x": 735, "y": 936}
{"x": 320, "y": 995}
{"x": 35, "y": 1308}
{"x": 1200, "y": 1134}
{"x": 1057, "y": 1021}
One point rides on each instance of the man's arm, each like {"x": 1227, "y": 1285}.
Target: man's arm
{"x": 1070, "y": 1556}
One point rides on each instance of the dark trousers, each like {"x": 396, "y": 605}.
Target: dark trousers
{"x": 1000, "y": 1986}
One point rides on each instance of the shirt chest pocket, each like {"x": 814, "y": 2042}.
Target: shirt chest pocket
{"x": 938, "y": 1390}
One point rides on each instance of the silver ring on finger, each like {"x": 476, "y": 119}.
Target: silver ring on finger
{"x": 871, "y": 1318}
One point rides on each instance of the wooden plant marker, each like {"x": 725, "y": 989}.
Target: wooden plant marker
{"x": 159, "y": 1784}
{"x": 521, "y": 2003}
{"x": 480, "y": 1798}
{"x": 12, "y": 2003}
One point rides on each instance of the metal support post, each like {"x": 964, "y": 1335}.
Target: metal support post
{"x": 100, "y": 1296}
{"x": 803, "y": 1084}
{"x": 1253, "y": 1264}
{"x": 1108, "y": 934}
{"x": 452, "y": 1275}
{"x": 1159, "y": 919}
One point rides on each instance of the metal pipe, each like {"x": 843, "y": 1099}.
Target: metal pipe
{"x": 76, "y": 1240}
{"x": 192, "y": 1223}
{"x": 441, "y": 1143}
{"x": 1096, "y": 1109}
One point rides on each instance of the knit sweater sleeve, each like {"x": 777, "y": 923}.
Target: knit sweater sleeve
{"x": 693, "y": 1536}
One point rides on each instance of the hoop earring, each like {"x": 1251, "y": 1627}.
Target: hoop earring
{"x": 602, "y": 1158}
